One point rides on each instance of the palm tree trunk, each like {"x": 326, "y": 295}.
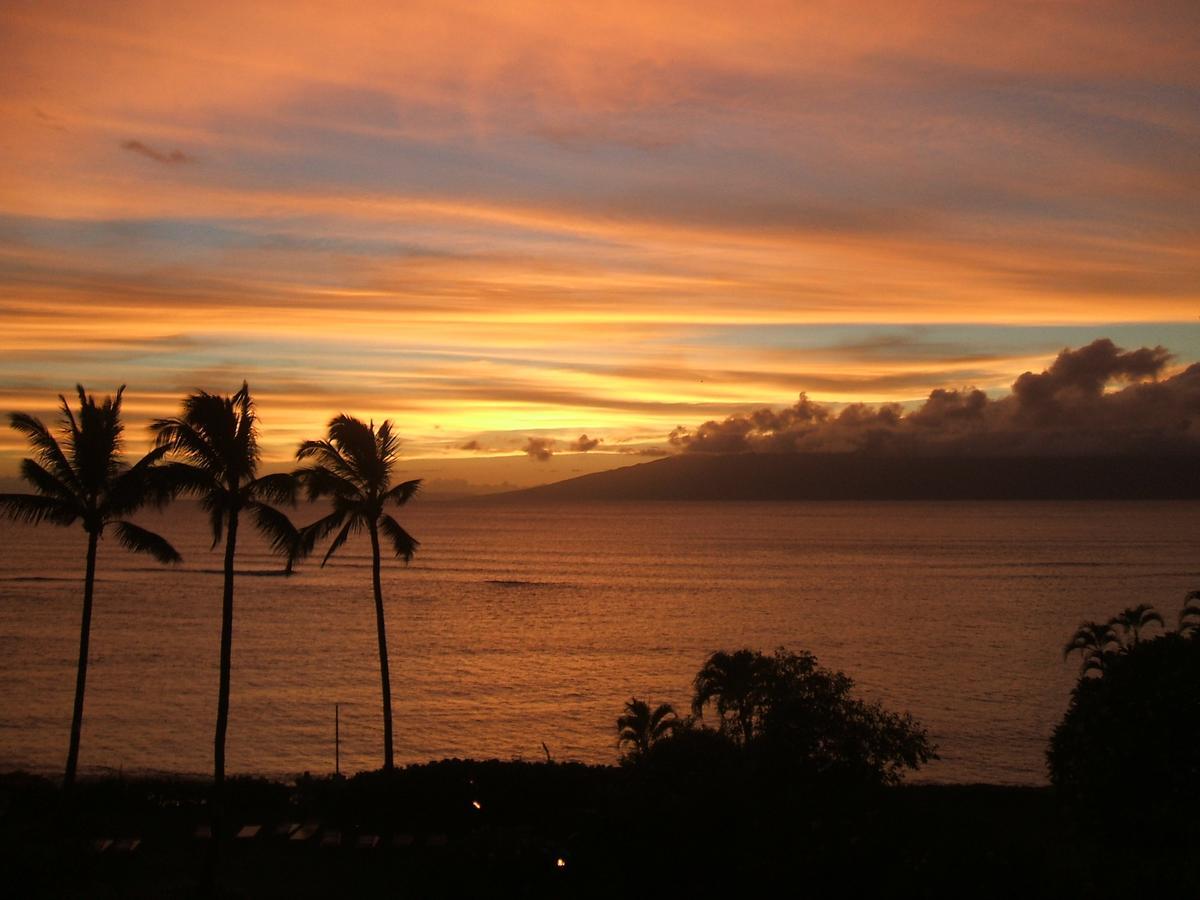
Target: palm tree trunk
{"x": 226, "y": 655}
{"x": 85, "y": 631}
{"x": 218, "y": 802}
{"x": 388, "y": 761}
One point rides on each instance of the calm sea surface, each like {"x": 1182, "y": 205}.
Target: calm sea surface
{"x": 518, "y": 625}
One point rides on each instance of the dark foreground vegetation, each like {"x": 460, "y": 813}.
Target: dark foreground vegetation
{"x": 780, "y": 781}
{"x": 619, "y": 831}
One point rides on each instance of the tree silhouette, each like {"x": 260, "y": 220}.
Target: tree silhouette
{"x": 82, "y": 478}
{"x": 1138, "y": 725}
{"x": 214, "y": 443}
{"x": 640, "y": 727}
{"x": 353, "y": 467}
{"x": 1092, "y": 640}
{"x": 733, "y": 683}
{"x": 793, "y": 718}
{"x": 1132, "y": 620}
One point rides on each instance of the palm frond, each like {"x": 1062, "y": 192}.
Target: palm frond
{"x": 662, "y": 720}
{"x": 323, "y": 449}
{"x": 139, "y": 540}
{"x": 246, "y": 432}
{"x": 31, "y": 509}
{"x": 181, "y": 438}
{"x": 321, "y": 528}
{"x": 95, "y": 438}
{"x": 403, "y": 544}
{"x": 355, "y": 442}
{"x": 216, "y": 504}
{"x": 47, "y": 447}
{"x": 387, "y": 444}
{"x": 280, "y": 487}
{"x": 322, "y": 481}
{"x": 47, "y": 484}
{"x": 402, "y": 493}
{"x": 185, "y": 479}
{"x": 286, "y": 540}
{"x": 145, "y": 483}
{"x": 1189, "y": 616}
{"x": 351, "y": 526}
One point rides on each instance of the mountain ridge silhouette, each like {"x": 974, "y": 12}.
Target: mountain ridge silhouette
{"x": 804, "y": 476}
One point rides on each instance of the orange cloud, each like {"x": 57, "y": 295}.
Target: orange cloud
{"x": 585, "y": 218}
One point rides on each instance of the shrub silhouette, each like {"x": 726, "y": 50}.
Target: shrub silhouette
{"x": 812, "y": 727}
{"x": 793, "y": 720}
{"x": 1128, "y": 749}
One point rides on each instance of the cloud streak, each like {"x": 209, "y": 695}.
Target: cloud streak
{"x": 590, "y": 219}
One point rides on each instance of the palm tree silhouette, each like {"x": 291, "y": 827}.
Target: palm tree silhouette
{"x": 215, "y": 441}
{"x": 734, "y": 681}
{"x": 353, "y": 466}
{"x": 1189, "y": 616}
{"x": 1091, "y": 640}
{"x": 1132, "y": 620}
{"x": 83, "y": 479}
{"x": 641, "y": 727}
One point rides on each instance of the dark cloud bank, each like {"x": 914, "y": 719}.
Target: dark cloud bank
{"x": 1070, "y": 409}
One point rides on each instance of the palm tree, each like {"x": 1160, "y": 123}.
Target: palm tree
{"x": 353, "y": 466}
{"x": 1091, "y": 640}
{"x": 83, "y": 479}
{"x": 215, "y": 443}
{"x": 1189, "y": 616}
{"x": 1132, "y": 620}
{"x": 735, "y": 682}
{"x": 641, "y": 727}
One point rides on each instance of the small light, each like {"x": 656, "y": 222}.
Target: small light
{"x": 561, "y": 863}
{"x": 476, "y": 804}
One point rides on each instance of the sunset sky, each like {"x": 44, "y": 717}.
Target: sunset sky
{"x": 497, "y": 222}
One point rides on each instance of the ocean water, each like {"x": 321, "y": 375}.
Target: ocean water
{"x": 518, "y": 625}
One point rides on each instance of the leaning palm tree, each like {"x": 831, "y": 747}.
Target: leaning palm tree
{"x": 353, "y": 467}
{"x": 82, "y": 478}
{"x": 734, "y": 682}
{"x": 214, "y": 445}
{"x": 1092, "y": 641}
{"x": 1189, "y": 616}
{"x": 641, "y": 727}
{"x": 1132, "y": 620}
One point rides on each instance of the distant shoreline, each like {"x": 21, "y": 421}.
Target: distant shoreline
{"x": 796, "y": 476}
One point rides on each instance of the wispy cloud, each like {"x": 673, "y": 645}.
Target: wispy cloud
{"x": 170, "y": 157}
{"x": 589, "y": 219}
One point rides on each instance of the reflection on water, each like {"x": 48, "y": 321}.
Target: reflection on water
{"x": 517, "y": 625}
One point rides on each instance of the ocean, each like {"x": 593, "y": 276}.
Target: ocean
{"x": 520, "y": 625}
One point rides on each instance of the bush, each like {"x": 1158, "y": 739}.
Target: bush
{"x": 1127, "y": 752}
{"x": 795, "y": 720}
{"x": 812, "y": 727}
